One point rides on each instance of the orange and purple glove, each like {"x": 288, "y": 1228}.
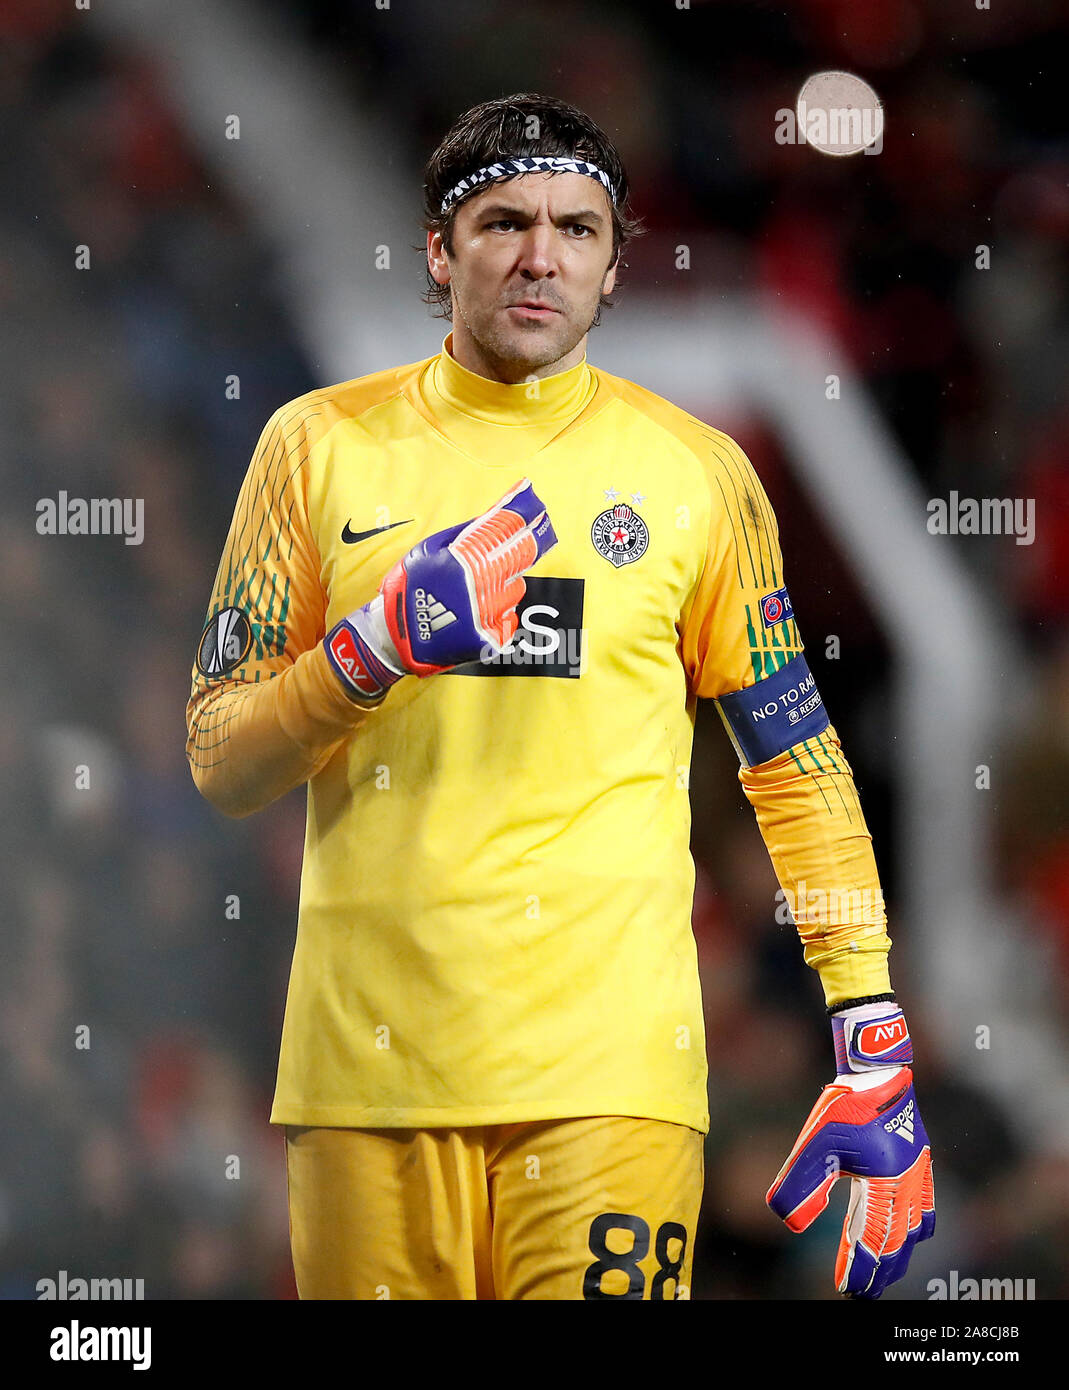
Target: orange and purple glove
{"x": 448, "y": 601}
{"x": 865, "y": 1126}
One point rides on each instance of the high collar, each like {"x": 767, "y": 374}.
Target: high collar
{"x": 558, "y": 397}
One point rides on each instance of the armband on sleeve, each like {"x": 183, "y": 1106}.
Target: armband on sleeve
{"x": 767, "y": 718}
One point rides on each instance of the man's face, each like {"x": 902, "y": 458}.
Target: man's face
{"x": 539, "y": 238}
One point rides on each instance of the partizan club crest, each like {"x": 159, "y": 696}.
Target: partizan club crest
{"x": 620, "y": 535}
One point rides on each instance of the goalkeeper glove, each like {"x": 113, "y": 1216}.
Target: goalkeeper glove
{"x": 865, "y": 1126}
{"x": 452, "y": 596}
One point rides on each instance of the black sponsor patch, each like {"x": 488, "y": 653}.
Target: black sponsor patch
{"x": 224, "y": 643}
{"x": 548, "y": 641}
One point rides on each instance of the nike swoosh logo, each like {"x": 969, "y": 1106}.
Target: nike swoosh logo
{"x": 351, "y": 537}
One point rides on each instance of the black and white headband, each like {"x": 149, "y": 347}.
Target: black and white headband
{"x": 527, "y": 164}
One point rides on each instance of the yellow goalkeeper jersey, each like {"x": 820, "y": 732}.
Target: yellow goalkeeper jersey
{"x": 496, "y": 893}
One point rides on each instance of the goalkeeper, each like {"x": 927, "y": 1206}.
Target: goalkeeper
{"x": 472, "y": 602}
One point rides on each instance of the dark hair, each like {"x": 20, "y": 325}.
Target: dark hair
{"x": 499, "y": 129}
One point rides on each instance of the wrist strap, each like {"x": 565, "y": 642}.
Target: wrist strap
{"x": 365, "y": 676}
{"x": 871, "y": 1034}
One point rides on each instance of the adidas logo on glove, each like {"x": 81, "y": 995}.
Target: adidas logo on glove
{"x": 431, "y": 614}
{"x": 902, "y": 1124}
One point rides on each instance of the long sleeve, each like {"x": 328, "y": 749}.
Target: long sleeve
{"x": 266, "y": 711}
{"x": 249, "y": 744}
{"x": 809, "y": 814}
{"x": 739, "y": 637}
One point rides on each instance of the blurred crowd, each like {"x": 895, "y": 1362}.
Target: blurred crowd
{"x": 147, "y": 941}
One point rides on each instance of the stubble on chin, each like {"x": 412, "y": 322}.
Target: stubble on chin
{"x": 533, "y": 348}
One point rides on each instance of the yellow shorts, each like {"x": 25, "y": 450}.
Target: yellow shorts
{"x": 597, "y": 1208}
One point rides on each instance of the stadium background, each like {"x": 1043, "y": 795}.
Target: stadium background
{"x": 113, "y": 1158}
